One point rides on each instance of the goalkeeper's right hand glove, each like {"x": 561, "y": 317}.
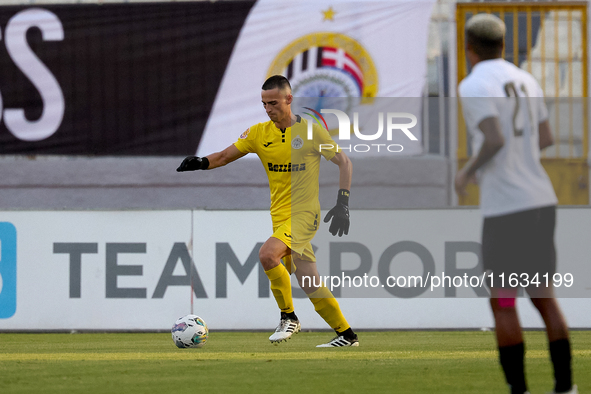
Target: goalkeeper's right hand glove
{"x": 339, "y": 215}
{"x": 192, "y": 163}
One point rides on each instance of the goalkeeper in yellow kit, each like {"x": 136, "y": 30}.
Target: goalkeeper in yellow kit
{"x": 292, "y": 162}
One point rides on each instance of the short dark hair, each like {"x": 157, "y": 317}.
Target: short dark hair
{"x": 485, "y": 34}
{"x": 485, "y": 49}
{"x": 276, "y": 81}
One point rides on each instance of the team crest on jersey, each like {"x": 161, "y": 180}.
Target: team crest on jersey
{"x": 245, "y": 134}
{"x": 297, "y": 142}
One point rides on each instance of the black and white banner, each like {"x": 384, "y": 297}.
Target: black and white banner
{"x": 112, "y": 79}
{"x": 142, "y": 78}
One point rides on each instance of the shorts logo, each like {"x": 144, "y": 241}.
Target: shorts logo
{"x": 297, "y": 142}
{"x": 7, "y": 270}
{"x": 288, "y": 235}
{"x": 245, "y": 134}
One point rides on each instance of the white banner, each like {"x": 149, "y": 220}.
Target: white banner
{"x": 132, "y": 270}
{"x": 327, "y": 49}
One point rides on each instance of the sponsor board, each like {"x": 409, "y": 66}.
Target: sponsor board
{"x": 141, "y": 270}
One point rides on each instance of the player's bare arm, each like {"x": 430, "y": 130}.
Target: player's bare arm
{"x": 218, "y": 159}
{"x": 340, "y": 213}
{"x": 228, "y": 155}
{"x": 493, "y": 142}
{"x": 545, "y": 135}
{"x": 345, "y": 170}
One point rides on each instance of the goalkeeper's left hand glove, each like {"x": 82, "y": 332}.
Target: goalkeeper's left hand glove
{"x": 339, "y": 215}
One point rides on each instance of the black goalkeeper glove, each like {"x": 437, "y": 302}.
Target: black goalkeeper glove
{"x": 339, "y": 215}
{"x": 192, "y": 163}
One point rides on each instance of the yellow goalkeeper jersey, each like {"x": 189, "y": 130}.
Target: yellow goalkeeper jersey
{"x": 292, "y": 163}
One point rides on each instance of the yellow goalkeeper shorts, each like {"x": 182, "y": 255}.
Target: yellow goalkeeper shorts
{"x": 297, "y": 233}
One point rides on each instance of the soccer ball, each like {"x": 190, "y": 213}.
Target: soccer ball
{"x": 189, "y": 331}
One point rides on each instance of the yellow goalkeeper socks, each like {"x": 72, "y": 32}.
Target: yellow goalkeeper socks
{"x": 281, "y": 287}
{"x": 328, "y": 308}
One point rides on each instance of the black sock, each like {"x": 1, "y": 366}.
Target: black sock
{"x": 290, "y": 315}
{"x": 512, "y": 361}
{"x": 561, "y": 359}
{"x": 348, "y": 334}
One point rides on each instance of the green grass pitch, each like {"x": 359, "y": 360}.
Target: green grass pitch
{"x": 242, "y": 362}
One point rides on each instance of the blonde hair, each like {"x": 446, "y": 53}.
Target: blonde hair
{"x": 485, "y": 34}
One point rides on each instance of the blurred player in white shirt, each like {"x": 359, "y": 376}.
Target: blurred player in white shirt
{"x": 506, "y": 116}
